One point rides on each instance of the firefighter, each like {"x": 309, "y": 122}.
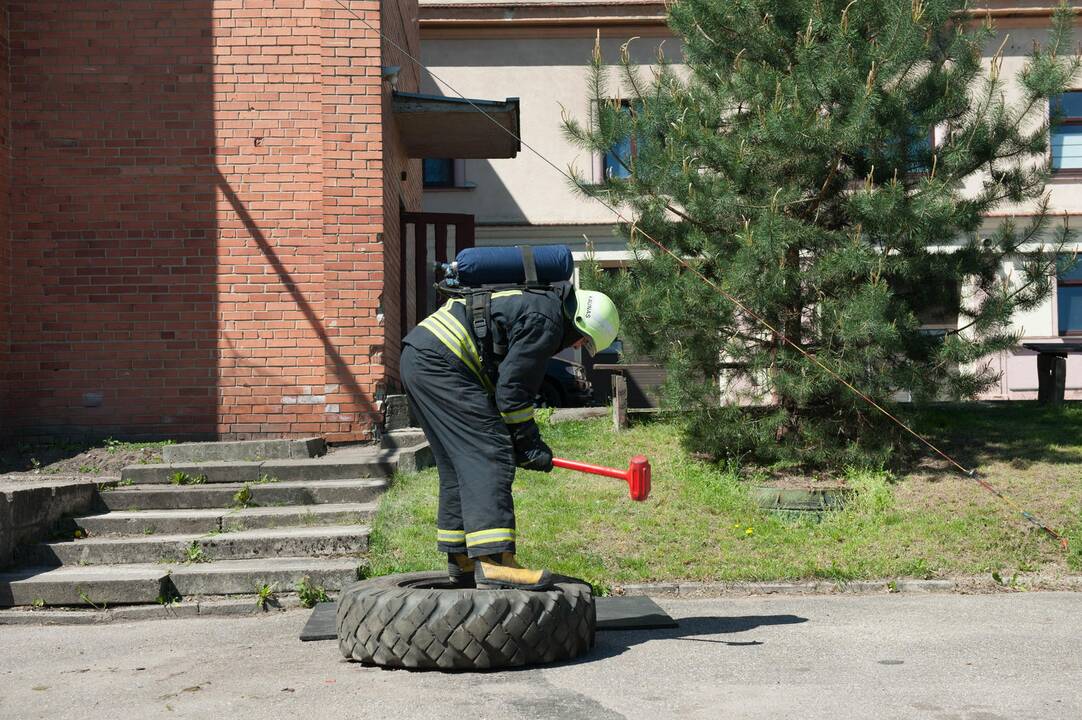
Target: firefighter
{"x": 474, "y": 400}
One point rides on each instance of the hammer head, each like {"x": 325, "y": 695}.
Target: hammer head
{"x": 638, "y": 478}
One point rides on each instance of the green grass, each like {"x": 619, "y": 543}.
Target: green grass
{"x": 701, "y": 524}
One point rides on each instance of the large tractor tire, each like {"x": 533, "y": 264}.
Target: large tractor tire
{"x": 418, "y": 621}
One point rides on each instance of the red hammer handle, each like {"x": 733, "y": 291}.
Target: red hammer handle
{"x": 588, "y": 468}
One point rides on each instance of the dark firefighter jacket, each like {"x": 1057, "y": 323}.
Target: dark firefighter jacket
{"x": 533, "y": 325}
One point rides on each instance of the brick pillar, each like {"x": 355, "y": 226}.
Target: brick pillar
{"x": 352, "y": 214}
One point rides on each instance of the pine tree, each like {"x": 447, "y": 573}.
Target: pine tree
{"x": 793, "y": 164}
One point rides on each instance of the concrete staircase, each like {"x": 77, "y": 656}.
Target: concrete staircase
{"x": 185, "y": 530}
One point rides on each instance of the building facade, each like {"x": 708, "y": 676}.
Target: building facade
{"x": 540, "y": 51}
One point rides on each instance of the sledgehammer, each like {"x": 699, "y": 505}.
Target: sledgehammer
{"x": 637, "y": 474}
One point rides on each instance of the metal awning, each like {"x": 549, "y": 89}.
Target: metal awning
{"x": 432, "y": 126}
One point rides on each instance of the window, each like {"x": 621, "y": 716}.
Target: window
{"x": 439, "y": 172}
{"x": 921, "y": 147}
{"x": 919, "y": 144}
{"x": 616, "y": 163}
{"x": 1067, "y": 137}
{"x": 1069, "y": 296}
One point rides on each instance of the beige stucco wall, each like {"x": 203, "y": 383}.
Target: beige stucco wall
{"x": 547, "y": 74}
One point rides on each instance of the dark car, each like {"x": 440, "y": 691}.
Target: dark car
{"x": 565, "y": 385}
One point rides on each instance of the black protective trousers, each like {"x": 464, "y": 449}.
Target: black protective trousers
{"x": 472, "y": 448}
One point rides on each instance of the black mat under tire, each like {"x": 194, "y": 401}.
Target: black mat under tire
{"x": 415, "y": 621}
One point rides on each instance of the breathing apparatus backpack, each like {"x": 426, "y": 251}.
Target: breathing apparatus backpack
{"x": 477, "y": 273}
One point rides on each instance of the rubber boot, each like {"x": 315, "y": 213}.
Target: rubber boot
{"x": 460, "y": 569}
{"x": 501, "y": 571}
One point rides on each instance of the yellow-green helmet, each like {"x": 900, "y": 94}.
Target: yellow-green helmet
{"x": 596, "y": 318}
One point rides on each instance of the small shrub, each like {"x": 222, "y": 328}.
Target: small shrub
{"x": 182, "y": 478}
{"x": 194, "y": 553}
{"x": 266, "y": 595}
{"x": 310, "y": 594}
{"x": 242, "y": 498}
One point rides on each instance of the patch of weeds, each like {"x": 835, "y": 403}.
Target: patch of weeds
{"x": 194, "y": 553}
{"x": 1013, "y": 584}
{"x": 168, "y": 598}
{"x": 182, "y": 478}
{"x": 35, "y": 464}
{"x": 88, "y": 470}
{"x": 149, "y": 530}
{"x": 310, "y": 594}
{"x": 264, "y": 478}
{"x": 543, "y": 416}
{"x": 309, "y": 518}
{"x": 892, "y": 586}
{"x": 124, "y": 482}
{"x": 113, "y": 445}
{"x": 38, "y": 603}
{"x": 266, "y": 596}
{"x": 86, "y": 598}
{"x": 242, "y": 498}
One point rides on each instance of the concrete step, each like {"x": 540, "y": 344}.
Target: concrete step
{"x": 365, "y": 462}
{"x": 100, "y": 586}
{"x": 404, "y": 438}
{"x": 317, "y": 541}
{"x": 109, "y": 585}
{"x": 238, "y": 577}
{"x": 244, "y": 450}
{"x": 201, "y": 521}
{"x": 178, "y": 497}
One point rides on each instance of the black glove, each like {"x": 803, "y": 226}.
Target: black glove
{"x": 531, "y": 452}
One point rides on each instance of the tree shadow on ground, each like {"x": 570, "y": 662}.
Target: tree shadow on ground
{"x": 692, "y": 629}
{"x": 1019, "y": 433}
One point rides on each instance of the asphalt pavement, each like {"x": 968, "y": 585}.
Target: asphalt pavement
{"x": 949, "y": 657}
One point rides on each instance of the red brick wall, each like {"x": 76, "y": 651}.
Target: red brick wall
{"x": 5, "y": 216}
{"x": 112, "y": 217}
{"x": 197, "y": 217}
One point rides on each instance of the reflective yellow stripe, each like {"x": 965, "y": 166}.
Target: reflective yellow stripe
{"x": 465, "y": 345}
{"x": 450, "y": 536}
{"x": 441, "y": 334}
{"x": 438, "y": 327}
{"x": 494, "y": 535}
{"x": 453, "y": 326}
{"x": 518, "y": 416}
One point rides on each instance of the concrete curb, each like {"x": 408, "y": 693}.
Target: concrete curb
{"x": 231, "y": 607}
{"x": 961, "y": 585}
{"x": 245, "y": 606}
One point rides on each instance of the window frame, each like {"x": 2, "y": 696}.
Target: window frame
{"x": 601, "y": 167}
{"x": 1071, "y": 120}
{"x": 1062, "y": 283}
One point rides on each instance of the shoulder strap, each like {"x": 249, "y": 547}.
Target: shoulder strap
{"x": 529, "y": 267}
{"x": 479, "y": 309}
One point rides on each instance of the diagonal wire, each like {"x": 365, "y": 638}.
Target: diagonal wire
{"x": 970, "y": 473}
